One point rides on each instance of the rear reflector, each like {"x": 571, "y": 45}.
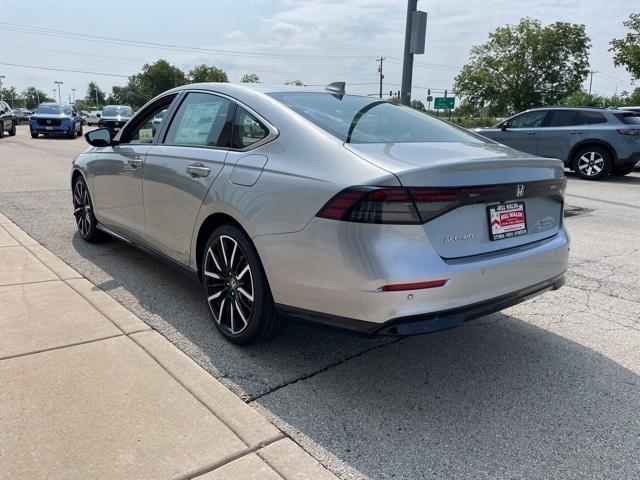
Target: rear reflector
{"x": 413, "y": 286}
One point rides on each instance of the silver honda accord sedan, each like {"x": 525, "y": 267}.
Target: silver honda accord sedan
{"x": 318, "y": 205}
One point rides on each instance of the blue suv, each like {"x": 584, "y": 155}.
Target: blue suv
{"x": 56, "y": 119}
{"x": 593, "y": 142}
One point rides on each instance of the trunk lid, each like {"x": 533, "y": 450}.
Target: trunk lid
{"x": 523, "y": 203}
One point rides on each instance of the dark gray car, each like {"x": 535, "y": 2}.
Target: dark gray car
{"x": 591, "y": 141}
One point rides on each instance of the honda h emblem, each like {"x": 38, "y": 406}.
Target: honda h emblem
{"x": 520, "y": 191}
{"x": 48, "y": 121}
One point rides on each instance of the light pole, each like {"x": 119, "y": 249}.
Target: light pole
{"x": 1, "y": 77}
{"x": 414, "y": 40}
{"x": 73, "y": 92}
{"x": 54, "y": 94}
{"x": 59, "y": 94}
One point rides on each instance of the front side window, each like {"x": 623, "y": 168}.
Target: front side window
{"x": 564, "y": 118}
{"x": 247, "y": 129}
{"x": 358, "y": 119}
{"x": 528, "y": 119}
{"x": 145, "y": 129}
{"x": 202, "y": 120}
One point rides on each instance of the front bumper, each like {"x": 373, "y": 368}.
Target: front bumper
{"x": 54, "y": 130}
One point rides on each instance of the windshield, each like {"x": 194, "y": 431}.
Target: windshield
{"x": 54, "y": 109}
{"x": 355, "y": 119}
{"x": 117, "y": 112}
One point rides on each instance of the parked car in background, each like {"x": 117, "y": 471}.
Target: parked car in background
{"x": 7, "y": 120}
{"x": 633, "y": 109}
{"x": 84, "y": 114}
{"x": 114, "y": 117}
{"x": 593, "y": 142}
{"x": 94, "y": 117}
{"x": 21, "y": 115}
{"x": 313, "y": 204}
{"x": 55, "y": 119}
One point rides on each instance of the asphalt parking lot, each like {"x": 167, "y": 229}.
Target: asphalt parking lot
{"x": 546, "y": 389}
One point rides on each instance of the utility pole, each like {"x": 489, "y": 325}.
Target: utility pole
{"x": 591, "y": 80}
{"x": 96, "y": 91}
{"x": 414, "y": 40}
{"x": 54, "y": 94}
{"x": 38, "y": 97}
{"x": 1, "y": 77}
{"x": 59, "y": 93}
{"x": 73, "y": 92}
{"x": 380, "y": 74}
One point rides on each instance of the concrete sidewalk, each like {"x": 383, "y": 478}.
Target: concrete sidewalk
{"x": 87, "y": 390}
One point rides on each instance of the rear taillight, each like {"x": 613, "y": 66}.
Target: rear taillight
{"x": 416, "y": 205}
{"x": 400, "y": 206}
{"x": 629, "y": 131}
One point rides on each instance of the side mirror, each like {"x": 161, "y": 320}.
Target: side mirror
{"x": 503, "y": 127}
{"x": 100, "y": 137}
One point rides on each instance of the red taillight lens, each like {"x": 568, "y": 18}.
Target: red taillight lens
{"x": 413, "y": 286}
{"x": 372, "y": 205}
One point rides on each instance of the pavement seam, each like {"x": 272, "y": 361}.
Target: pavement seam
{"x": 61, "y": 347}
{"x": 31, "y": 283}
{"x": 322, "y": 370}
{"x": 229, "y": 459}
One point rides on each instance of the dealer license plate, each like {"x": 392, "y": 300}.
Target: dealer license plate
{"x": 49, "y": 128}
{"x": 507, "y": 220}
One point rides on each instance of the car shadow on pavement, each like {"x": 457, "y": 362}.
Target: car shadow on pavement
{"x": 497, "y": 397}
{"x": 632, "y": 178}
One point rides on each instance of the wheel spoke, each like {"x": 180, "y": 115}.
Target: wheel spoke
{"x": 224, "y": 252}
{"x": 232, "y": 323}
{"x": 592, "y": 155}
{"x": 77, "y": 200}
{"x": 245, "y": 293}
{"x": 78, "y": 210}
{"x": 244, "y": 270}
{"x": 221, "y": 310}
{"x": 597, "y": 168}
{"x": 589, "y": 170}
{"x": 212, "y": 275}
{"x": 214, "y": 296}
{"x": 215, "y": 260}
{"x": 244, "y": 320}
{"x": 233, "y": 254}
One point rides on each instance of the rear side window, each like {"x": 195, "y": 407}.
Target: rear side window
{"x": 201, "y": 120}
{"x": 593, "y": 118}
{"x": 564, "y": 118}
{"x": 630, "y": 118}
{"x": 247, "y": 129}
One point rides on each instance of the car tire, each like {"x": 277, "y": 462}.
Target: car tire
{"x": 34, "y": 135}
{"x": 83, "y": 212}
{"x": 79, "y": 134}
{"x": 1, "y": 130}
{"x": 236, "y": 288}
{"x": 12, "y": 132}
{"x": 592, "y": 162}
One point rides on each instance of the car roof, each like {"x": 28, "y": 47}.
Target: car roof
{"x": 244, "y": 88}
{"x": 56, "y": 104}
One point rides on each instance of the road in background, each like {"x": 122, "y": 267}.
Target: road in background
{"x": 549, "y": 388}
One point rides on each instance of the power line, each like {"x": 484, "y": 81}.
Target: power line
{"x": 64, "y": 70}
{"x": 14, "y": 27}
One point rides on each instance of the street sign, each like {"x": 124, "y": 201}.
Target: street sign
{"x": 444, "y": 103}
{"x": 429, "y": 98}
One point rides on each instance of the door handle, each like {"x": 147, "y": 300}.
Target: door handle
{"x": 531, "y": 133}
{"x": 576, "y": 132}
{"x": 198, "y": 170}
{"x": 135, "y": 162}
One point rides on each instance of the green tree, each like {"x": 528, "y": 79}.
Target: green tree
{"x": 250, "y": 78}
{"x": 297, "y": 83}
{"x": 205, "y": 73}
{"x": 418, "y": 105}
{"x": 95, "y": 94}
{"x": 154, "y": 79}
{"x": 10, "y": 95}
{"x": 627, "y": 50}
{"x": 33, "y": 97}
{"x": 525, "y": 65}
{"x": 582, "y": 98}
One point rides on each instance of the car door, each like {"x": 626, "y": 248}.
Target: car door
{"x": 521, "y": 132}
{"x": 116, "y": 174}
{"x": 180, "y": 170}
{"x": 4, "y": 117}
{"x": 560, "y": 130}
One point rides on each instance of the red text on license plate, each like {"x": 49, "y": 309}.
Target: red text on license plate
{"x": 507, "y": 220}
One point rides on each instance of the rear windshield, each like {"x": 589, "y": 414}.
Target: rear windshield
{"x": 117, "y": 112}
{"x": 630, "y": 118}
{"x": 357, "y": 119}
{"x": 54, "y": 109}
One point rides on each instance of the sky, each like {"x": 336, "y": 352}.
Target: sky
{"x": 315, "y": 41}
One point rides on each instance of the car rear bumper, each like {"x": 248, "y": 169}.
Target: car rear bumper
{"x": 338, "y": 268}
{"x": 429, "y": 322}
